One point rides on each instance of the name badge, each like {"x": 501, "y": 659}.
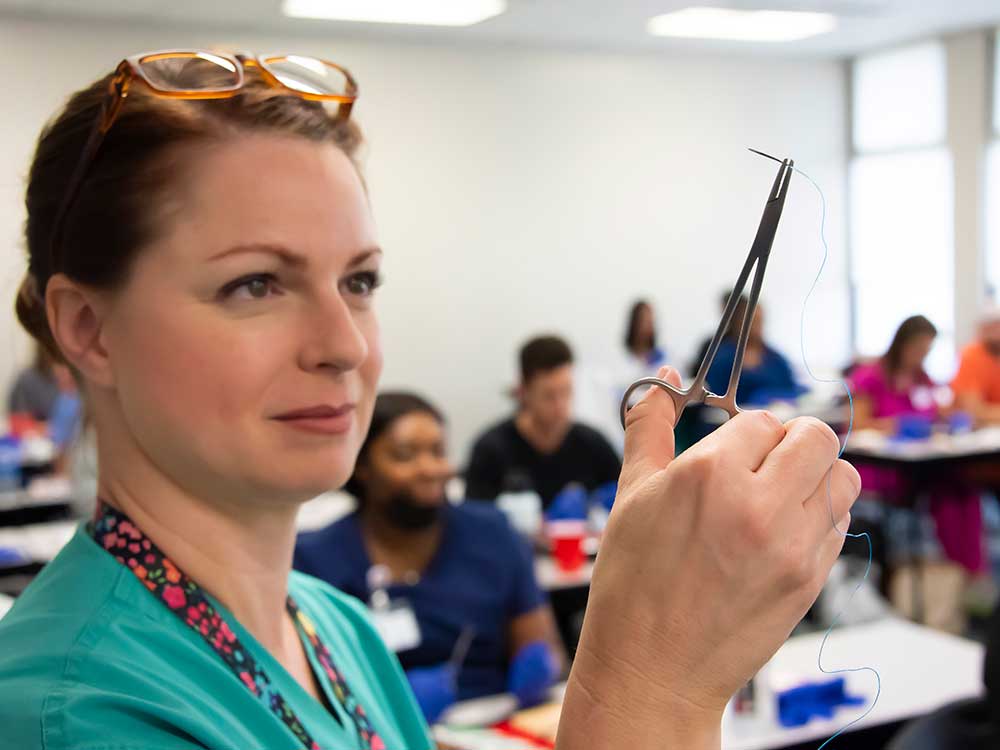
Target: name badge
{"x": 398, "y": 626}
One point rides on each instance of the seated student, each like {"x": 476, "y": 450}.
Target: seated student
{"x": 36, "y": 389}
{"x": 456, "y": 568}
{"x": 894, "y": 387}
{"x": 640, "y": 338}
{"x": 541, "y": 448}
{"x": 44, "y": 398}
{"x": 977, "y": 383}
{"x": 767, "y": 376}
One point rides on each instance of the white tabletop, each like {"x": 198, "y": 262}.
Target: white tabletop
{"x": 921, "y": 670}
{"x": 38, "y": 542}
{"x": 877, "y": 445}
{"x": 5, "y": 604}
{"x": 45, "y": 490}
{"x": 551, "y": 578}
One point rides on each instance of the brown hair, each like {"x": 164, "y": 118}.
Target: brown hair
{"x": 909, "y": 329}
{"x": 543, "y": 354}
{"x": 120, "y": 206}
{"x": 632, "y": 341}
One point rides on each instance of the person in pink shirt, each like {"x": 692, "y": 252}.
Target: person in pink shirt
{"x": 887, "y": 392}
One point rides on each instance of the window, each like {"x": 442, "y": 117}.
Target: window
{"x": 901, "y": 200}
{"x": 993, "y": 186}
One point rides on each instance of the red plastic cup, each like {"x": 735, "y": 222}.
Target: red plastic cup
{"x": 567, "y": 544}
{"x": 23, "y": 425}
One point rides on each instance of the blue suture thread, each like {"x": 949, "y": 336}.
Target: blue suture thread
{"x": 829, "y": 479}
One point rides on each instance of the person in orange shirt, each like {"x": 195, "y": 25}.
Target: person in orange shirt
{"x": 977, "y": 384}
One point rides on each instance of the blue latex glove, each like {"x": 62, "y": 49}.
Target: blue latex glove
{"x": 532, "y": 672}
{"x": 434, "y": 688}
{"x": 570, "y": 504}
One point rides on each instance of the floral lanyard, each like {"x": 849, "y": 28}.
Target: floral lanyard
{"x": 116, "y": 533}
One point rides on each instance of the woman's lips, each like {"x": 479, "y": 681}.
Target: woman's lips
{"x": 321, "y": 419}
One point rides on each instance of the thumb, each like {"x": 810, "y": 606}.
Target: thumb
{"x": 649, "y": 430}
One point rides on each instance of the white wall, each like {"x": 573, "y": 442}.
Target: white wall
{"x": 525, "y": 191}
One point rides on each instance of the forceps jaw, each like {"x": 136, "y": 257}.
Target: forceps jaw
{"x": 757, "y": 261}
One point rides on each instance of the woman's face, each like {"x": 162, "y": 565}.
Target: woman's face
{"x": 244, "y": 346}
{"x": 407, "y": 460}
{"x": 916, "y": 350}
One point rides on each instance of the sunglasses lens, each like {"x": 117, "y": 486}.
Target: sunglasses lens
{"x": 309, "y": 75}
{"x": 190, "y": 71}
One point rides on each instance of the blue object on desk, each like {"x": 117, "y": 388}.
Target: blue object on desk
{"x": 10, "y": 557}
{"x": 913, "y": 427}
{"x": 568, "y": 505}
{"x": 960, "y": 422}
{"x": 799, "y": 705}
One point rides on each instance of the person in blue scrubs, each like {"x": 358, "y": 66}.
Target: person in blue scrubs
{"x": 458, "y": 568}
{"x": 767, "y": 377}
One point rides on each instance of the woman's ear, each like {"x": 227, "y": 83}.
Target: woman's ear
{"x": 76, "y": 316}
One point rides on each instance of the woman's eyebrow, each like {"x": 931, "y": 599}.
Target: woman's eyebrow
{"x": 364, "y": 255}
{"x": 289, "y": 257}
{"x": 285, "y": 255}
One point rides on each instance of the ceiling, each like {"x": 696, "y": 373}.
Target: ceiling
{"x": 614, "y": 25}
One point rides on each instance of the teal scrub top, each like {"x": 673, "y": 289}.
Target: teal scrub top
{"x": 91, "y": 660}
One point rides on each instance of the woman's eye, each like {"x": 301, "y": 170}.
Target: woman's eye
{"x": 258, "y": 286}
{"x": 364, "y": 283}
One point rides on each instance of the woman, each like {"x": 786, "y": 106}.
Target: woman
{"x": 893, "y": 390}
{"x": 640, "y": 336}
{"x": 766, "y": 377}
{"x": 458, "y": 569}
{"x": 211, "y": 286}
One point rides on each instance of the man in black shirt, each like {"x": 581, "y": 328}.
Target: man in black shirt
{"x": 541, "y": 448}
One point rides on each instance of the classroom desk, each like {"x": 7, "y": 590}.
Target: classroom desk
{"x": 46, "y": 498}
{"x": 921, "y": 669}
{"x": 924, "y": 462}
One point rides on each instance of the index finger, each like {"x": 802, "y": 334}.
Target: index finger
{"x": 749, "y": 437}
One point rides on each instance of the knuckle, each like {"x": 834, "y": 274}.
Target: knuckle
{"x": 797, "y": 566}
{"x": 764, "y": 422}
{"x": 814, "y": 430}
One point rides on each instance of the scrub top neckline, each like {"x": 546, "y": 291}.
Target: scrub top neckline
{"x": 120, "y": 537}
{"x": 432, "y": 564}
